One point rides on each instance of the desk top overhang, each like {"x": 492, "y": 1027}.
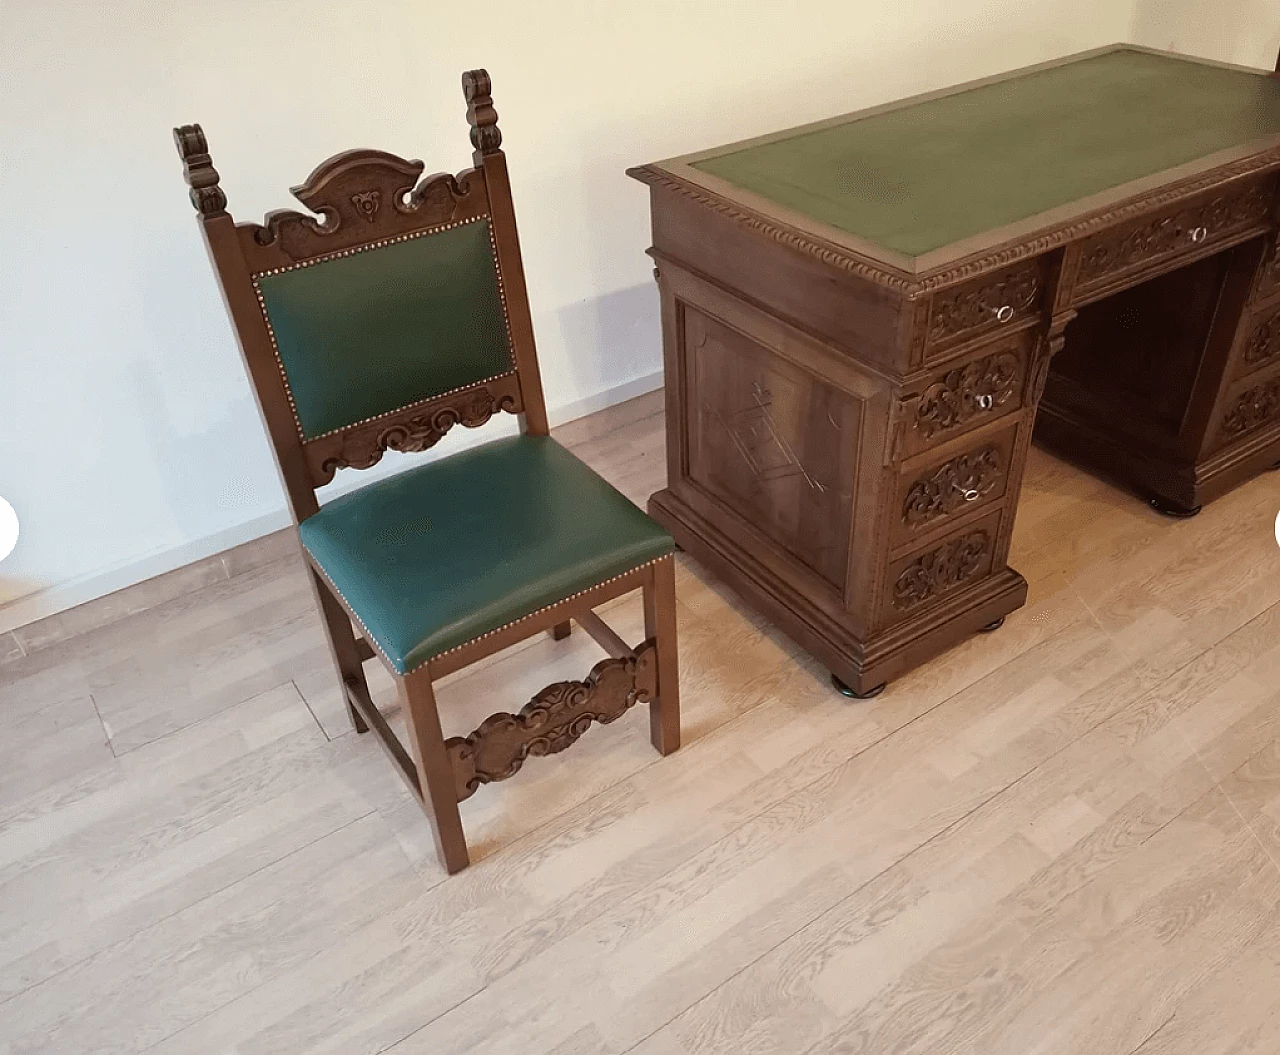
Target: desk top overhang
{"x": 928, "y": 190}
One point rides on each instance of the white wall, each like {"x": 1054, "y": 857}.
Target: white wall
{"x": 1242, "y": 31}
{"x": 130, "y": 439}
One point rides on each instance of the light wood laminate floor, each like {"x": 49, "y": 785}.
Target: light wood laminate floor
{"x": 1058, "y": 838}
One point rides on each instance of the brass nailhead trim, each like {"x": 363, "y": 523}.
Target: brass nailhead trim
{"x": 487, "y": 633}
{"x": 354, "y": 250}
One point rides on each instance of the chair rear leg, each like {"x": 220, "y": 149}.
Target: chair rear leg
{"x": 660, "y": 624}
{"x": 435, "y": 771}
{"x": 561, "y": 630}
{"x": 342, "y": 646}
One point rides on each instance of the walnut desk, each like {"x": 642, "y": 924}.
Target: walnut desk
{"x": 864, "y": 318}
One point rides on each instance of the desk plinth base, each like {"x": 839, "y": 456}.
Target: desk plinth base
{"x": 860, "y": 664}
{"x": 1174, "y": 485}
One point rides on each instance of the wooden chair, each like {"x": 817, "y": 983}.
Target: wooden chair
{"x": 398, "y": 314}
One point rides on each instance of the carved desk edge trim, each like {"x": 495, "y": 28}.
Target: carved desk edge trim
{"x": 912, "y": 287}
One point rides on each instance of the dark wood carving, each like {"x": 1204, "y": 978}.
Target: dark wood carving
{"x": 976, "y": 388}
{"x": 410, "y": 430}
{"x": 1255, "y": 407}
{"x": 953, "y": 484}
{"x": 198, "y": 170}
{"x": 477, "y": 89}
{"x": 940, "y": 570}
{"x": 1268, "y": 280}
{"x": 359, "y": 196}
{"x": 1264, "y": 342}
{"x": 552, "y": 720}
{"x": 1181, "y": 231}
{"x": 1000, "y": 300}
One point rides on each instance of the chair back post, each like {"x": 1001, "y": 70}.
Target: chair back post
{"x": 489, "y": 159}
{"x": 223, "y": 245}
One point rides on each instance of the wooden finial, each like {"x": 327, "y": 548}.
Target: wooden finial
{"x": 197, "y": 167}
{"x": 481, "y": 116}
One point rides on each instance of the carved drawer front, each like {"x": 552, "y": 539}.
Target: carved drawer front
{"x": 986, "y": 305}
{"x": 1185, "y": 229}
{"x": 1260, "y": 348}
{"x": 966, "y": 395}
{"x": 934, "y": 493}
{"x": 938, "y": 570}
{"x": 1253, "y": 406}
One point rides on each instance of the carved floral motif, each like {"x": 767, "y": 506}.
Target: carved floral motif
{"x": 940, "y": 570}
{"x": 366, "y": 203}
{"x": 965, "y": 309}
{"x": 1166, "y": 234}
{"x": 552, "y": 720}
{"x": 962, "y": 393}
{"x": 953, "y": 484}
{"x": 1256, "y": 406}
{"x": 1264, "y": 341}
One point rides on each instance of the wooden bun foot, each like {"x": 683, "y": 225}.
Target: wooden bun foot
{"x": 1170, "y": 509}
{"x": 844, "y": 690}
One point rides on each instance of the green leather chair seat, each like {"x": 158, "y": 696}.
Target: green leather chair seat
{"x": 438, "y": 555}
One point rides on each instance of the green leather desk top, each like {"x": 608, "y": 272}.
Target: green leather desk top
{"x": 931, "y": 173}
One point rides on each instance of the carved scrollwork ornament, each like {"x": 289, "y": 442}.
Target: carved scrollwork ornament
{"x": 364, "y": 446}
{"x": 553, "y": 720}
{"x": 197, "y": 167}
{"x": 957, "y": 311}
{"x": 951, "y": 486}
{"x": 1254, "y": 408}
{"x": 477, "y": 89}
{"x": 940, "y": 570}
{"x": 1165, "y": 234}
{"x": 966, "y": 391}
{"x": 1264, "y": 341}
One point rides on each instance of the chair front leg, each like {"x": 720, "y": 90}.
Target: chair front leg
{"x": 435, "y": 770}
{"x": 342, "y": 647}
{"x": 660, "y": 625}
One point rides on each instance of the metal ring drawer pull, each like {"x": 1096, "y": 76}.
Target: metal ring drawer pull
{"x": 1199, "y": 234}
{"x": 970, "y": 495}
{"x": 1005, "y": 312}
{"x": 986, "y": 402}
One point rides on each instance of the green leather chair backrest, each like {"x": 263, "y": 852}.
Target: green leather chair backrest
{"x": 373, "y": 330}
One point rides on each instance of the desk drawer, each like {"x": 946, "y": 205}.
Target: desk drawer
{"x": 1183, "y": 230}
{"x": 987, "y": 304}
{"x": 928, "y": 575}
{"x": 1260, "y": 348}
{"x": 952, "y": 485}
{"x": 967, "y": 395}
{"x": 1251, "y": 406}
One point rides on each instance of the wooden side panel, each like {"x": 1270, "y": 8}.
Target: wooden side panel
{"x": 855, "y": 315}
{"x": 772, "y": 442}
